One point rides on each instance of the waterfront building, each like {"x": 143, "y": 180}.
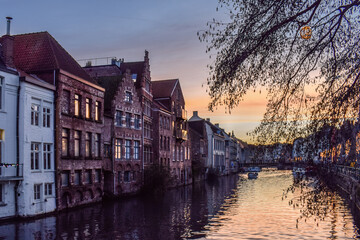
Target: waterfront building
{"x": 10, "y": 166}
{"x": 199, "y": 146}
{"x": 123, "y": 156}
{"x": 78, "y": 117}
{"x": 168, "y": 95}
{"x": 36, "y": 193}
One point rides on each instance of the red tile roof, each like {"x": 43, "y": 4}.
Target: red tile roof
{"x": 36, "y": 52}
{"x": 163, "y": 88}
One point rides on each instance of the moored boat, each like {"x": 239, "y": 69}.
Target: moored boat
{"x": 252, "y": 175}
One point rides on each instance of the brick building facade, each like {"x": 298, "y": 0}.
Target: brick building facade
{"x": 168, "y": 94}
{"x": 123, "y": 164}
{"x": 79, "y": 102}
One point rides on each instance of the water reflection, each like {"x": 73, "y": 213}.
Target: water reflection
{"x": 229, "y": 208}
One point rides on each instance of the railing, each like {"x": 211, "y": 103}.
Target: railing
{"x": 8, "y": 172}
{"x": 181, "y": 134}
{"x": 345, "y": 170}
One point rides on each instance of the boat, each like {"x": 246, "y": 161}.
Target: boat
{"x": 252, "y": 175}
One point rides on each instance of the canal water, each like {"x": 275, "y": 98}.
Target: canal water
{"x": 233, "y": 207}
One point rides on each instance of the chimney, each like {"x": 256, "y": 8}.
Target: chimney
{"x": 195, "y": 114}
{"x": 8, "y": 25}
{"x": 7, "y": 50}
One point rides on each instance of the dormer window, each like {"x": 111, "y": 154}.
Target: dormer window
{"x": 134, "y": 76}
{"x": 128, "y": 96}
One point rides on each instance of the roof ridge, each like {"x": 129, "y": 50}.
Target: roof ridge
{"x": 48, "y": 35}
{"x": 22, "y": 34}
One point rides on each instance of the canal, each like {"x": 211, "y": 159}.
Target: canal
{"x": 233, "y": 207}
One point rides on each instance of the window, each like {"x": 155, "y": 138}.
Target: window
{"x": 107, "y": 150}
{"x": 88, "y": 177}
{"x": 37, "y": 191}
{"x": 134, "y": 76}
{"x": 77, "y": 105}
{"x": 47, "y": 155}
{"x": 88, "y": 144}
{"x": 35, "y": 155}
{"x": 128, "y": 96}
{"x": 161, "y": 142}
{"x": 168, "y": 143}
{"x": 65, "y": 142}
{"x": 65, "y": 178}
{"x": 127, "y": 176}
{"x": 46, "y": 116}
{"x": 161, "y": 122}
{"x": 137, "y": 150}
{"x": 147, "y": 130}
{"x": 147, "y": 85}
{"x": 118, "y": 149}
{"x": 97, "y": 175}
{"x": 2, "y": 89}
{"x": 147, "y": 107}
{"x": 128, "y": 120}
{"x": 97, "y": 145}
{"x": 118, "y": 118}
{"x": 97, "y": 110}
{"x": 77, "y": 177}
{"x": 87, "y": 108}
{"x": 48, "y": 189}
{"x": 77, "y": 140}
{"x": 66, "y": 102}
{"x": 137, "y": 121}
{"x": 35, "y": 112}
{"x": 127, "y": 149}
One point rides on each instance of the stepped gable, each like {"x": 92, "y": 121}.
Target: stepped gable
{"x": 164, "y": 88}
{"x": 38, "y": 52}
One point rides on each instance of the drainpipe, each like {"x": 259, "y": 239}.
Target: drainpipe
{"x": 17, "y": 152}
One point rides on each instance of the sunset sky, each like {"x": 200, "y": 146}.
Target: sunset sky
{"x": 124, "y": 29}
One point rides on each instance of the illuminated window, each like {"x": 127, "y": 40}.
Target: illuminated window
{"x": 77, "y": 105}
{"x": 77, "y": 140}
{"x": 97, "y": 110}
{"x": 88, "y": 108}
{"x": 65, "y": 142}
{"x": 87, "y": 144}
{"x": 117, "y": 149}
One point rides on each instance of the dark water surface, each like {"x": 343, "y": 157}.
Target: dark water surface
{"x": 230, "y": 208}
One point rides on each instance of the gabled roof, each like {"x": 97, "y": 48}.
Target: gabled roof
{"x": 110, "y": 83}
{"x": 164, "y": 88}
{"x": 37, "y": 52}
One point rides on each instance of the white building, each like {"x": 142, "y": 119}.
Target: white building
{"x": 36, "y": 127}
{"x": 10, "y": 169}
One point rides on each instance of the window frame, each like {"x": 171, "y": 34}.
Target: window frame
{"x": 77, "y": 105}
{"x": 77, "y": 143}
{"x": 35, "y": 114}
{"x": 47, "y": 159}
{"x": 46, "y": 117}
{"x": 65, "y": 137}
{"x": 48, "y": 189}
{"x": 118, "y": 118}
{"x": 127, "y": 153}
{"x": 88, "y": 144}
{"x": 118, "y": 149}
{"x": 35, "y": 156}
{"x": 87, "y": 108}
{"x": 136, "y": 150}
{"x": 97, "y": 110}
{"x": 37, "y": 192}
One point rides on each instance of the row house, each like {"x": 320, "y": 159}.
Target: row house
{"x": 123, "y": 145}
{"x": 78, "y": 119}
{"x": 141, "y": 75}
{"x": 10, "y": 168}
{"x": 172, "y": 145}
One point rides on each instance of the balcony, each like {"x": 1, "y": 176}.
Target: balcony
{"x": 180, "y": 113}
{"x": 8, "y": 172}
{"x": 181, "y": 135}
